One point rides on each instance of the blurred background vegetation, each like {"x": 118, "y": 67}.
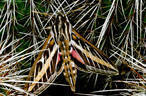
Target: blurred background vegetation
{"x": 117, "y": 27}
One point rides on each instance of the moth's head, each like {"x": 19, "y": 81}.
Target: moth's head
{"x": 62, "y": 27}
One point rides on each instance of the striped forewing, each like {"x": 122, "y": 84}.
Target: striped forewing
{"x": 44, "y": 67}
{"x": 94, "y": 59}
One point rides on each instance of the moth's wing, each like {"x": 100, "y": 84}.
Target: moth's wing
{"x": 88, "y": 58}
{"x": 44, "y": 70}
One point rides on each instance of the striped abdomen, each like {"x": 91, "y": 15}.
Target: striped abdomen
{"x": 70, "y": 71}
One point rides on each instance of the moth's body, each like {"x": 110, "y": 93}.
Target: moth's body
{"x": 63, "y": 39}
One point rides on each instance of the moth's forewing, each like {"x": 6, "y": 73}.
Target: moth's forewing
{"x": 93, "y": 59}
{"x": 45, "y": 71}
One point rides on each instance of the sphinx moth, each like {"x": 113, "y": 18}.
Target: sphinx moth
{"x": 66, "y": 51}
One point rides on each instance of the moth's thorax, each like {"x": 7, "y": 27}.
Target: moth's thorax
{"x": 62, "y": 29}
